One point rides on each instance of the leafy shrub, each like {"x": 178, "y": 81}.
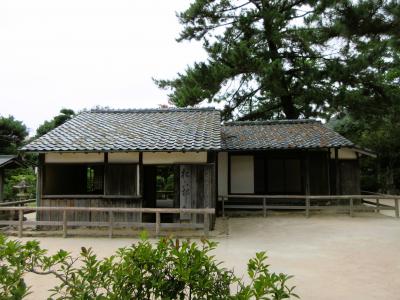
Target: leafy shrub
{"x": 166, "y": 270}
{"x": 14, "y": 177}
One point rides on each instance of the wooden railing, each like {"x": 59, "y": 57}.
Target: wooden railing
{"x": 17, "y": 203}
{"x": 266, "y": 203}
{"x": 206, "y": 212}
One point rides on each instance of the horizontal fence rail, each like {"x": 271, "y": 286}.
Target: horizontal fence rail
{"x": 17, "y": 203}
{"x": 265, "y": 203}
{"x": 111, "y": 224}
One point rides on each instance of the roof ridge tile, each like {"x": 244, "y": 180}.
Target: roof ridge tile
{"x": 272, "y": 122}
{"x": 152, "y": 110}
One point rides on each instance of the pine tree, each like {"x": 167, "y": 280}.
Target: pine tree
{"x": 290, "y": 58}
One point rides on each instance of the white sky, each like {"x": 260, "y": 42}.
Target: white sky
{"x": 82, "y": 53}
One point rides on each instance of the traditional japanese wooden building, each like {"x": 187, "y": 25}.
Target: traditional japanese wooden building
{"x": 185, "y": 158}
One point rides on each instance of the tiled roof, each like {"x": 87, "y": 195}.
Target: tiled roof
{"x": 131, "y": 130}
{"x": 7, "y": 160}
{"x": 181, "y": 129}
{"x": 280, "y": 134}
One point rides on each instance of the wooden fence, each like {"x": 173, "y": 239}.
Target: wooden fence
{"x": 17, "y": 203}
{"x": 206, "y": 212}
{"x": 368, "y": 203}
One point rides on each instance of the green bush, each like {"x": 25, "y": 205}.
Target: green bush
{"x": 14, "y": 177}
{"x": 166, "y": 270}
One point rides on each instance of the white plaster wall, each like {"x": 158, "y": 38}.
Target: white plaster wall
{"x": 153, "y": 158}
{"x": 242, "y": 174}
{"x": 344, "y": 153}
{"x": 223, "y": 173}
{"x": 74, "y": 157}
{"x": 123, "y": 157}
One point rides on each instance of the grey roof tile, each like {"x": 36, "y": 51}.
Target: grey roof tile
{"x": 280, "y": 134}
{"x": 132, "y": 130}
{"x": 188, "y": 129}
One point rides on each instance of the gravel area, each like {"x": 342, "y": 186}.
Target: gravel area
{"x": 331, "y": 256}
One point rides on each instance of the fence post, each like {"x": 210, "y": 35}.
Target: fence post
{"x": 158, "y": 221}
{"x": 264, "y": 207}
{"x": 64, "y": 223}
{"x": 396, "y": 207}
{"x": 206, "y": 224}
{"x": 20, "y": 222}
{"x": 307, "y": 207}
{"x": 223, "y": 206}
{"x": 351, "y": 207}
{"x": 110, "y": 224}
{"x": 377, "y": 210}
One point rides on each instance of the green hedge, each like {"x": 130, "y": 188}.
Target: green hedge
{"x": 166, "y": 270}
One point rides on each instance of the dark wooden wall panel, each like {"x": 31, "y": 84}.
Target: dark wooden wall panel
{"x": 350, "y": 177}
{"x": 121, "y": 179}
{"x": 88, "y": 216}
{"x": 259, "y": 174}
{"x": 319, "y": 181}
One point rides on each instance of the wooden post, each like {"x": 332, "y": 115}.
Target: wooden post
{"x": 328, "y": 168}
{"x": 110, "y": 224}
{"x": 337, "y": 173}
{"x": 1, "y": 185}
{"x": 105, "y": 172}
{"x": 64, "y": 223}
{"x": 264, "y": 207}
{"x": 396, "y": 207}
{"x": 141, "y": 179}
{"x": 377, "y": 205}
{"x": 206, "y": 224}
{"x": 39, "y": 185}
{"x": 307, "y": 183}
{"x": 158, "y": 223}
{"x": 223, "y": 206}
{"x": 20, "y": 222}
{"x": 351, "y": 207}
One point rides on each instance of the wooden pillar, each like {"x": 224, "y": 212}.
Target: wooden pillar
{"x": 264, "y": 207}
{"x": 65, "y": 225}
{"x": 141, "y": 182}
{"x": 206, "y": 224}
{"x": 1, "y": 185}
{"x": 216, "y": 192}
{"x": 328, "y": 171}
{"x": 20, "y": 222}
{"x": 110, "y": 224}
{"x": 39, "y": 183}
{"x": 105, "y": 172}
{"x": 229, "y": 174}
{"x": 158, "y": 223}
{"x": 223, "y": 206}
{"x": 351, "y": 207}
{"x": 337, "y": 172}
{"x": 307, "y": 183}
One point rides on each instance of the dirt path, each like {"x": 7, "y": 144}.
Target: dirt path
{"x": 331, "y": 256}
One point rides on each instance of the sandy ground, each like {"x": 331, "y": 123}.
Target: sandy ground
{"x": 331, "y": 256}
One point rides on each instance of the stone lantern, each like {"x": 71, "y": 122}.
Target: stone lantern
{"x": 22, "y": 188}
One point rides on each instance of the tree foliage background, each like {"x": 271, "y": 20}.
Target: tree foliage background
{"x": 64, "y": 115}
{"x": 299, "y": 59}
{"x": 13, "y": 135}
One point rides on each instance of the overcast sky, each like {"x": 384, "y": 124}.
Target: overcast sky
{"x": 82, "y": 53}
